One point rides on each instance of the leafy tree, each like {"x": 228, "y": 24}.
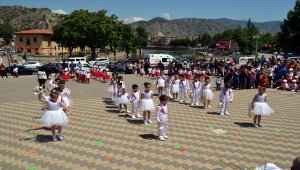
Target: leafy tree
{"x": 6, "y": 32}
{"x": 289, "y": 36}
{"x": 206, "y": 40}
{"x": 140, "y": 38}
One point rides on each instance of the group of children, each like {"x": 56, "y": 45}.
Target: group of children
{"x": 291, "y": 83}
{"x": 58, "y": 104}
{"x": 101, "y": 73}
{"x": 144, "y": 100}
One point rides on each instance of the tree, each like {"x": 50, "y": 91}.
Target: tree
{"x": 140, "y": 38}
{"x": 6, "y": 32}
{"x": 289, "y": 36}
{"x": 206, "y": 40}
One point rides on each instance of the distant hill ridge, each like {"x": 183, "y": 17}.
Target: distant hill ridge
{"x": 187, "y": 27}
{"x": 22, "y": 18}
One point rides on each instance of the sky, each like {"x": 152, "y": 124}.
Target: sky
{"x": 135, "y": 10}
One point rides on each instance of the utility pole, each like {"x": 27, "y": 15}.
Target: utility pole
{"x": 256, "y": 42}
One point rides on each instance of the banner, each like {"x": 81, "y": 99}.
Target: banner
{"x": 223, "y": 44}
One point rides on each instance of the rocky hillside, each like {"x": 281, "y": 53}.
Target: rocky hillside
{"x": 21, "y": 18}
{"x": 187, "y": 27}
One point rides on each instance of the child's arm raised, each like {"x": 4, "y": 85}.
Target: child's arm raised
{"x": 41, "y": 98}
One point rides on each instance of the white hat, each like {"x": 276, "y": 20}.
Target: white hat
{"x": 285, "y": 80}
{"x": 290, "y": 69}
{"x": 294, "y": 81}
{"x": 66, "y": 69}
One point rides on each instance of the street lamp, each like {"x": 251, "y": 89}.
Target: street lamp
{"x": 256, "y": 37}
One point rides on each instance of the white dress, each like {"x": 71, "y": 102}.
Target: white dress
{"x": 196, "y": 88}
{"x": 66, "y": 99}
{"x": 161, "y": 82}
{"x": 55, "y": 114}
{"x": 147, "y": 102}
{"x": 175, "y": 86}
{"x": 122, "y": 99}
{"x": 207, "y": 93}
{"x": 260, "y": 107}
{"x": 112, "y": 86}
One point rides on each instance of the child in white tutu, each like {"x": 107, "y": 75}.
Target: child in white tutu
{"x": 175, "y": 87}
{"x": 135, "y": 98}
{"x": 207, "y": 94}
{"x": 168, "y": 85}
{"x": 226, "y": 97}
{"x": 160, "y": 84}
{"x": 122, "y": 97}
{"x": 196, "y": 90}
{"x": 65, "y": 94}
{"x": 259, "y": 107}
{"x": 146, "y": 103}
{"x": 113, "y": 86}
{"x": 54, "y": 118}
{"x": 162, "y": 117}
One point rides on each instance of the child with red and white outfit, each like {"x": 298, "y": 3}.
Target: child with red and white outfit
{"x": 142, "y": 71}
{"x": 189, "y": 74}
{"x": 157, "y": 73}
{"x": 150, "y": 72}
{"x": 226, "y": 97}
{"x": 162, "y": 117}
{"x": 66, "y": 74}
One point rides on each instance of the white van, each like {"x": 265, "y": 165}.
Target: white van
{"x": 154, "y": 59}
{"x": 77, "y": 59}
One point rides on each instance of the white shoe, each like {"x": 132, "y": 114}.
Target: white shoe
{"x": 145, "y": 122}
{"x": 133, "y": 117}
{"x": 181, "y": 101}
{"x": 166, "y": 137}
{"x": 192, "y": 104}
{"x": 54, "y": 138}
{"x": 59, "y": 136}
{"x": 227, "y": 113}
{"x": 255, "y": 125}
{"x": 149, "y": 121}
{"x": 138, "y": 115}
{"x": 222, "y": 114}
{"x": 161, "y": 138}
{"x": 197, "y": 104}
{"x": 127, "y": 111}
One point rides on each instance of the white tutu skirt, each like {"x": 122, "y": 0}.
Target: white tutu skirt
{"x": 56, "y": 117}
{"x": 208, "y": 95}
{"x": 175, "y": 88}
{"x": 123, "y": 99}
{"x": 111, "y": 89}
{"x": 262, "y": 108}
{"x": 67, "y": 101}
{"x": 147, "y": 105}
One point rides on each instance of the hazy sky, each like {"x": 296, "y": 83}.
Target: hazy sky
{"x": 133, "y": 10}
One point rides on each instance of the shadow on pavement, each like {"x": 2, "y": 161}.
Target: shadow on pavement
{"x": 244, "y": 124}
{"x": 135, "y": 121}
{"x": 213, "y": 113}
{"x": 148, "y": 136}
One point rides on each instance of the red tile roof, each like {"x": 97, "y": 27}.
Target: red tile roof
{"x": 35, "y": 31}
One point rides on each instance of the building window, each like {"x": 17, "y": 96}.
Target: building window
{"x": 21, "y": 39}
{"x": 34, "y": 39}
{"x": 49, "y": 43}
{"x": 28, "y": 41}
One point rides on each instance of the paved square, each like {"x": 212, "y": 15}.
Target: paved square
{"x": 98, "y": 137}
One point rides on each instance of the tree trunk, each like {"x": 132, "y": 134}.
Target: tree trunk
{"x": 93, "y": 49}
{"x": 71, "y": 51}
{"x": 140, "y": 51}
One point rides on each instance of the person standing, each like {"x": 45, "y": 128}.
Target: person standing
{"x": 3, "y": 70}
{"x": 42, "y": 77}
{"x": 15, "y": 71}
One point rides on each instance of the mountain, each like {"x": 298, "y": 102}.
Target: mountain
{"x": 188, "y": 27}
{"x": 21, "y": 18}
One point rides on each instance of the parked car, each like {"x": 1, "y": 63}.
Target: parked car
{"x": 53, "y": 67}
{"x": 22, "y": 70}
{"x": 32, "y": 64}
{"x": 101, "y": 61}
{"x": 251, "y": 57}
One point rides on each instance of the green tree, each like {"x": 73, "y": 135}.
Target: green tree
{"x": 140, "y": 38}
{"x": 289, "y": 37}
{"x": 6, "y": 32}
{"x": 127, "y": 39}
{"x": 206, "y": 40}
